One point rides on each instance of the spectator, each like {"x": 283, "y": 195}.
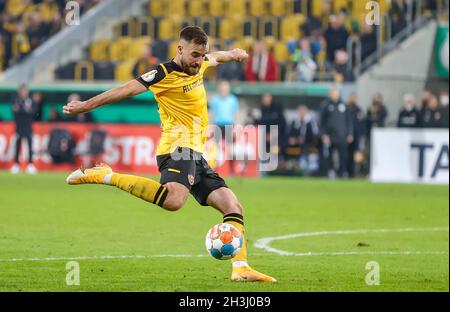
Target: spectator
{"x": 261, "y": 65}
{"x": 398, "y": 11}
{"x": 357, "y": 146}
{"x": 146, "y": 62}
{"x": 38, "y": 104}
{"x": 443, "y": 98}
{"x": 305, "y": 64}
{"x": 433, "y": 115}
{"x": 302, "y": 137}
{"x": 409, "y": 116}
{"x": 37, "y": 31}
{"x": 376, "y": 114}
{"x": 368, "y": 41}
{"x": 224, "y": 109}
{"x": 272, "y": 114}
{"x": 336, "y": 37}
{"x": 231, "y": 71}
{"x": 342, "y": 72}
{"x": 23, "y": 115}
{"x": 337, "y": 132}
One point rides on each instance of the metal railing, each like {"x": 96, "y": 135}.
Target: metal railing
{"x": 386, "y": 42}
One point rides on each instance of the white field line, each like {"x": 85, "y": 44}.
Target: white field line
{"x": 264, "y": 243}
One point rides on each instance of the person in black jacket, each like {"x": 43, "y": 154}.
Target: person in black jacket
{"x": 337, "y": 132}
{"x": 24, "y": 111}
{"x": 433, "y": 115}
{"x": 356, "y": 148}
{"x": 409, "y": 116}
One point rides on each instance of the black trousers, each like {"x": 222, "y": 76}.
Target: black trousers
{"x": 341, "y": 147}
{"x": 29, "y": 137}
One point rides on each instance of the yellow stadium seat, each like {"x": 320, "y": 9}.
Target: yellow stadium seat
{"x": 317, "y": 7}
{"x": 359, "y": 7}
{"x": 281, "y": 52}
{"x": 176, "y": 8}
{"x": 257, "y": 7}
{"x": 137, "y": 46}
{"x": 196, "y": 8}
{"x": 118, "y": 50}
{"x": 290, "y": 27}
{"x": 209, "y": 25}
{"x": 84, "y": 69}
{"x": 339, "y": 4}
{"x": 173, "y": 49}
{"x": 98, "y": 51}
{"x": 124, "y": 71}
{"x": 277, "y": 7}
{"x": 236, "y": 7}
{"x": 166, "y": 29}
{"x": 245, "y": 43}
{"x": 216, "y": 8}
{"x": 227, "y": 28}
{"x": 248, "y": 28}
{"x": 268, "y": 27}
{"x": 156, "y": 8}
{"x": 145, "y": 27}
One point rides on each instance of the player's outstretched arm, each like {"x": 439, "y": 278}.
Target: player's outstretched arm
{"x": 220, "y": 57}
{"x": 124, "y": 91}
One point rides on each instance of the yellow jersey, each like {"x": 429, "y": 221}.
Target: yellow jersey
{"x": 182, "y": 106}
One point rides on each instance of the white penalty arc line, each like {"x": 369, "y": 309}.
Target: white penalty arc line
{"x": 264, "y": 243}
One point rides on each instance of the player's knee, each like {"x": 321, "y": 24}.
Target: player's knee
{"x": 173, "y": 203}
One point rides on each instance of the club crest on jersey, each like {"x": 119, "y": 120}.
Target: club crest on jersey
{"x": 148, "y": 77}
{"x": 191, "y": 179}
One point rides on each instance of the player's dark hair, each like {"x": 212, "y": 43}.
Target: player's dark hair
{"x": 195, "y": 34}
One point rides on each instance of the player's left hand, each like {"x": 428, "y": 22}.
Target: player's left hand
{"x": 239, "y": 55}
{"x": 75, "y": 107}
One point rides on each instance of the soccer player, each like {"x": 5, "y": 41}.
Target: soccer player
{"x": 181, "y": 97}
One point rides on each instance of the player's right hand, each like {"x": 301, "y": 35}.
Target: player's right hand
{"x": 75, "y": 107}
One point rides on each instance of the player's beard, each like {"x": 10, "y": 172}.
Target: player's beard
{"x": 191, "y": 70}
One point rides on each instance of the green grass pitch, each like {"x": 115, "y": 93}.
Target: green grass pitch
{"x": 44, "y": 219}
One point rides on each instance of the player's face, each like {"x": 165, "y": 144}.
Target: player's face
{"x": 192, "y": 58}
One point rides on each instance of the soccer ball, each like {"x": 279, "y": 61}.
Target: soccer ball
{"x": 223, "y": 241}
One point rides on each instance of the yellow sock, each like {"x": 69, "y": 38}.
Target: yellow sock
{"x": 238, "y": 221}
{"x": 143, "y": 188}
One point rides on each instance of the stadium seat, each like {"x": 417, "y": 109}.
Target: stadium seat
{"x": 166, "y": 29}
{"x": 124, "y": 71}
{"x": 277, "y": 7}
{"x": 281, "y": 52}
{"x": 257, "y": 7}
{"x": 172, "y": 49}
{"x": 290, "y": 27}
{"x": 98, "y": 51}
{"x": 104, "y": 70}
{"x": 156, "y": 8}
{"x": 339, "y": 4}
{"x": 248, "y": 28}
{"x": 145, "y": 27}
{"x": 236, "y": 7}
{"x": 137, "y": 46}
{"x": 216, "y": 8}
{"x": 317, "y": 7}
{"x": 245, "y": 43}
{"x": 268, "y": 27}
{"x": 176, "y": 8}
{"x": 197, "y": 8}
{"x": 228, "y": 28}
{"x": 209, "y": 25}
{"x": 84, "y": 70}
{"x": 118, "y": 50}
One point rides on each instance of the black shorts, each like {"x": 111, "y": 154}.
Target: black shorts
{"x": 189, "y": 168}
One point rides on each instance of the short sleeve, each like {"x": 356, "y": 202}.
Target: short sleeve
{"x": 152, "y": 77}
